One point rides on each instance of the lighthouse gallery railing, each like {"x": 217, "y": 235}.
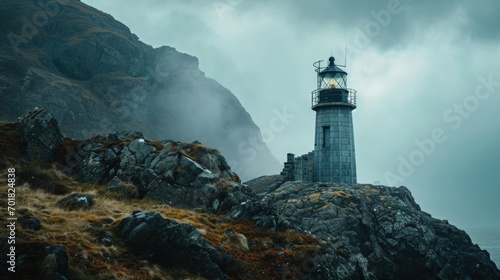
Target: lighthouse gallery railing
{"x": 315, "y": 98}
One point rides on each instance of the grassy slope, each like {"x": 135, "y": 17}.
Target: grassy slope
{"x": 38, "y": 188}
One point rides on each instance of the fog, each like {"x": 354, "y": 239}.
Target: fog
{"x": 189, "y": 107}
{"x": 426, "y": 73}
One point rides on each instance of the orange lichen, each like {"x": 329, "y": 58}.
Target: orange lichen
{"x": 158, "y": 145}
{"x": 79, "y": 232}
{"x": 198, "y": 149}
{"x": 56, "y": 219}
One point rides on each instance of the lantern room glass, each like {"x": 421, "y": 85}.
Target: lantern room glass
{"x": 333, "y": 80}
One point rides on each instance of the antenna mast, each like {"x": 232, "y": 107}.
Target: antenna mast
{"x": 345, "y": 58}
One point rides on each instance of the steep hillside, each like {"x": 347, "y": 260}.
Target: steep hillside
{"x": 94, "y": 75}
{"x": 120, "y": 206}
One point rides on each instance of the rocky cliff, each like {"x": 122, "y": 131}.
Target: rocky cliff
{"x": 95, "y": 76}
{"x": 381, "y": 229}
{"x": 121, "y": 206}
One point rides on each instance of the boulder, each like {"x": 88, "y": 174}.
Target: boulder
{"x": 171, "y": 244}
{"x": 40, "y": 135}
{"x": 31, "y": 223}
{"x": 76, "y": 201}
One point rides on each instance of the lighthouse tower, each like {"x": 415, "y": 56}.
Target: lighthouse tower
{"x": 334, "y": 157}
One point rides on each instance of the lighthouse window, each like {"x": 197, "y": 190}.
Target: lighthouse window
{"x": 340, "y": 80}
{"x": 337, "y": 80}
{"x": 326, "y": 136}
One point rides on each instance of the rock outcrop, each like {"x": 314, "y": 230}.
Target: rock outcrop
{"x": 171, "y": 244}
{"x": 187, "y": 175}
{"x": 378, "y": 232}
{"x": 95, "y": 76}
{"x": 40, "y": 135}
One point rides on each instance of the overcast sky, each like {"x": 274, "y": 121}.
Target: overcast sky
{"x": 423, "y": 70}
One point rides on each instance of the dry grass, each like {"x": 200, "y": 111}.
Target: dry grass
{"x": 224, "y": 186}
{"x": 198, "y": 149}
{"x": 236, "y": 179}
{"x": 47, "y": 179}
{"x": 194, "y": 151}
{"x": 127, "y": 191}
{"x": 75, "y": 40}
{"x": 370, "y": 190}
{"x": 158, "y": 145}
{"x": 341, "y": 193}
{"x": 315, "y": 197}
{"x": 38, "y": 188}
{"x": 79, "y": 231}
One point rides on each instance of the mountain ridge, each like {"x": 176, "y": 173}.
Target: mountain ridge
{"x": 96, "y": 76}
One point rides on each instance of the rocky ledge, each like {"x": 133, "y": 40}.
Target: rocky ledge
{"x": 381, "y": 231}
{"x": 188, "y": 175}
{"x": 282, "y": 230}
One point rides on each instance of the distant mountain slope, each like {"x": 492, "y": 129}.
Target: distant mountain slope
{"x": 95, "y": 76}
{"x": 117, "y": 206}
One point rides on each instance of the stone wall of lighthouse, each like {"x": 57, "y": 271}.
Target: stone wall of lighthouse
{"x": 334, "y": 155}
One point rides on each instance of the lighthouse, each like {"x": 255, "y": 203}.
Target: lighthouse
{"x": 333, "y": 158}
{"x": 334, "y": 155}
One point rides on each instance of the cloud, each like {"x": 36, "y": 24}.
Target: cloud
{"x": 424, "y": 61}
{"x": 477, "y": 19}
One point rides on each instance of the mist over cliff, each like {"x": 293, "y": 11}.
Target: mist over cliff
{"x": 98, "y": 77}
